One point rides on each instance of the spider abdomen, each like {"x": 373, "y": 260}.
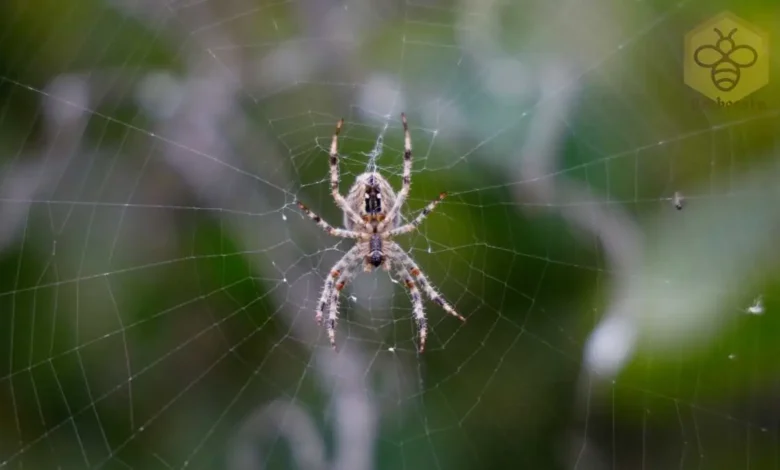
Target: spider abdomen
{"x": 375, "y": 255}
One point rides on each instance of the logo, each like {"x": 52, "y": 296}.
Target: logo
{"x": 726, "y": 59}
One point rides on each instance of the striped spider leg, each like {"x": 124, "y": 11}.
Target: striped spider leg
{"x": 412, "y": 276}
{"x": 338, "y": 277}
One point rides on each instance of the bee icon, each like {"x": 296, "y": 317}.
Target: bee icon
{"x": 725, "y": 59}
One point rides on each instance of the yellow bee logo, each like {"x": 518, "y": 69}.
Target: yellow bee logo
{"x": 725, "y": 59}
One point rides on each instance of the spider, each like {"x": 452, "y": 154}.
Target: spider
{"x": 372, "y": 216}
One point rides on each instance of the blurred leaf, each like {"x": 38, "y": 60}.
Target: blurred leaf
{"x": 702, "y": 261}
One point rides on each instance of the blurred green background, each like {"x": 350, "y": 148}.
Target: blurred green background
{"x": 159, "y": 283}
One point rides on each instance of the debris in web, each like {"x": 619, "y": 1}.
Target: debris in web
{"x": 757, "y": 307}
{"x": 679, "y": 200}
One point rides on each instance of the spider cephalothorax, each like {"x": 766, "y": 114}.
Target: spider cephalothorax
{"x": 372, "y": 216}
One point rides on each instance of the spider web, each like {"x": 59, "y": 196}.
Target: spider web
{"x": 158, "y": 303}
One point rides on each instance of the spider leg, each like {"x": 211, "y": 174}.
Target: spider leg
{"x": 333, "y": 159}
{"x": 331, "y": 230}
{"x": 406, "y": 178}
{"x": 418, "y": 220}
{"x": 417, "y": 305}
{"x": 333, "y": 310}
{"x": 334, "y": 284}
{"x": 400, "y": 256}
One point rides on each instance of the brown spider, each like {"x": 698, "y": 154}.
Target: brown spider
{"x": 372, "y": 216}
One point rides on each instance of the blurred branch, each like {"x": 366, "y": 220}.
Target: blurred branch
{"x": 614, "y": 339}
{"x": 284, "y": 418}
{"x": 615, "y": 230}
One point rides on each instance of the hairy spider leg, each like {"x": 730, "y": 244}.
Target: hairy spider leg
{"x": 406, "y": 182}
{"x": 418, "y": 220}
{"x": 417, "y": 305}
{"x": 329, "y": 229}
{"x": 333, "y": 159}
{"x": 400, "y": 255}
{"x": 333, "y": 310}
{"x": 345, "y": 264}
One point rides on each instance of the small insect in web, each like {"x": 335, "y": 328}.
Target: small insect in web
{"x": 679, "y": 200}
{"x": 372, "y": 216}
